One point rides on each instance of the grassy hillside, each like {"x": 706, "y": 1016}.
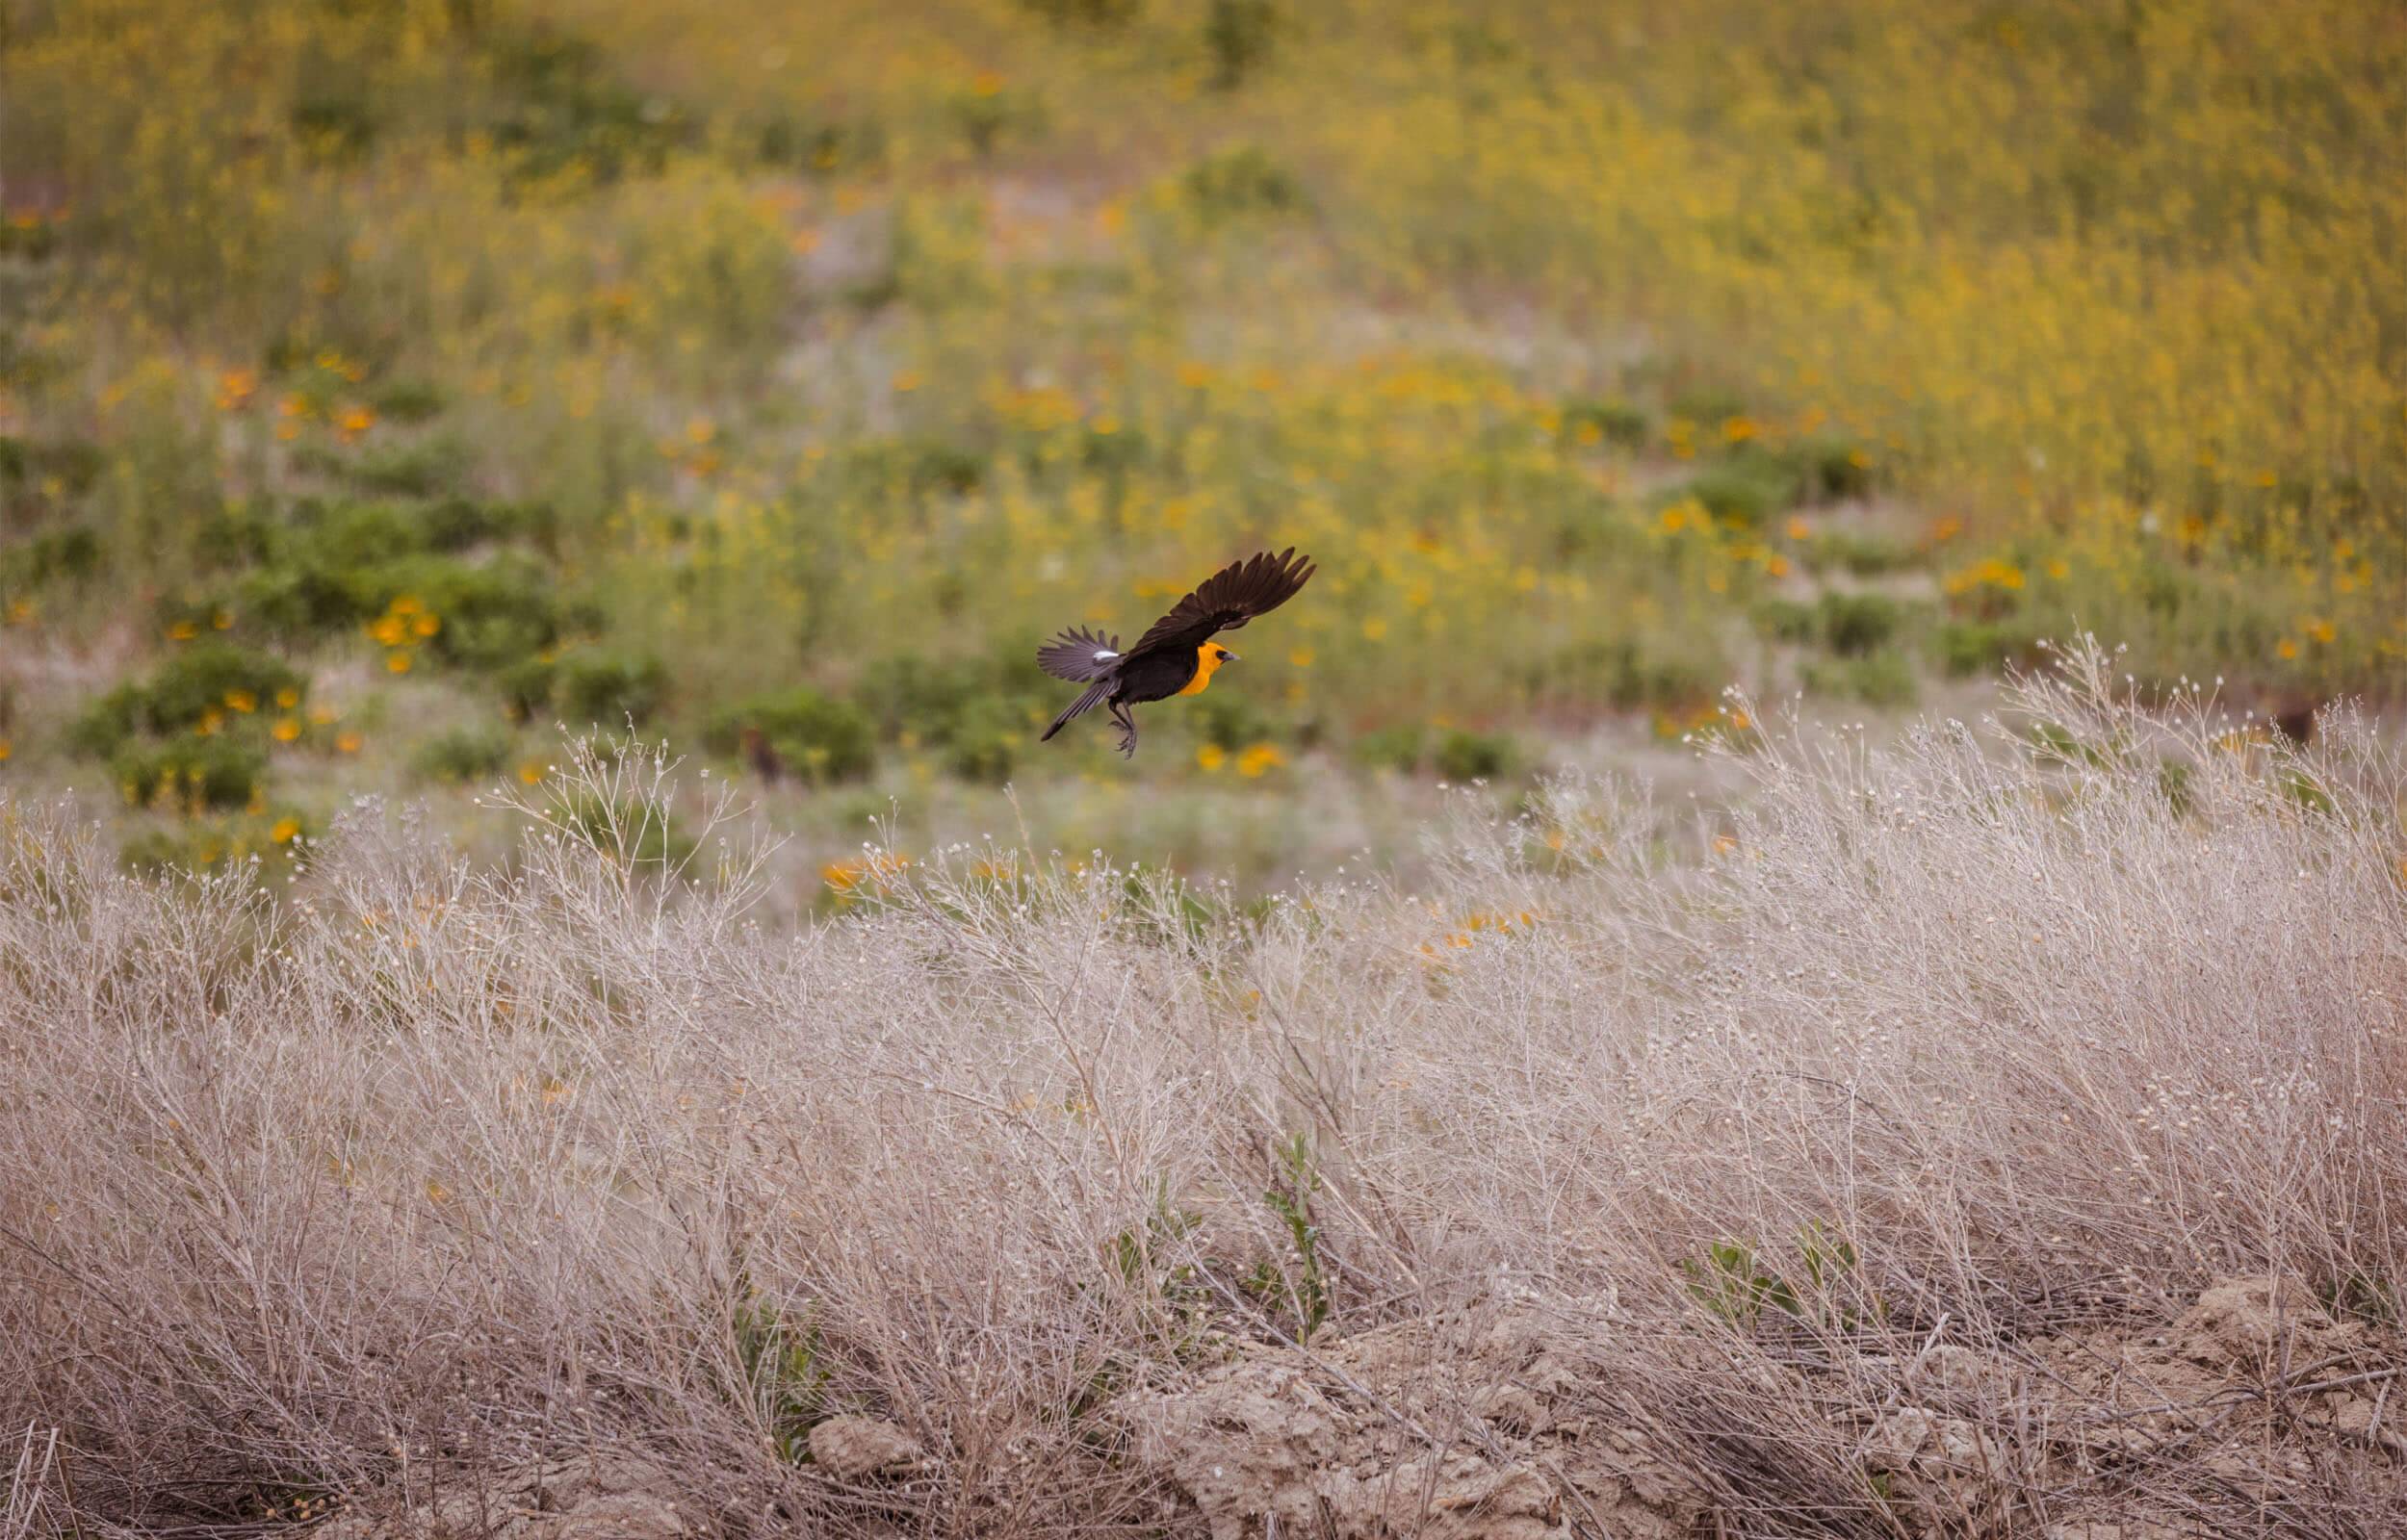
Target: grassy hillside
{"x": 382, "y": 381}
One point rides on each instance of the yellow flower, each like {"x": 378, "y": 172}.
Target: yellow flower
{"x": 243, "y": 701}
{"x": 426, "y": 624}
{"x": 284, "y": 830}
{"x": 348, "y": 742}
{"x": 1300, "y": 658}
{"x": 288, "y": 698}
{"x": 355, "y": 421}
{"x": 286, "y": 731}
{"x": 397, "y": 662}
{"x": 2286, "y": 649}
{"x": 183, "y": 630}
{"x": 1211, "y": 756}
{"x": 1258, "y": 758}
{"x": 530, "y": 772}
{"x": 4, "y": 750}
{"x": 2322, "y": 630}
{"x": 1799, "y": 528}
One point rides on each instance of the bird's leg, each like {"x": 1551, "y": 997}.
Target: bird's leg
{"x": 1127, "y": 729}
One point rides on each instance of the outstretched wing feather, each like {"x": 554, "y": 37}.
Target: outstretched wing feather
{"x": 1079, "y": 654}
{"x": 1228, "y": 598}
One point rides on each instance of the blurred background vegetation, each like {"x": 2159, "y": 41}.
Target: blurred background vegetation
{"x": 384, "y": 383}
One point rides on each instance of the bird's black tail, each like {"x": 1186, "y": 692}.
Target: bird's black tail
{"x": 1087, "y": 701}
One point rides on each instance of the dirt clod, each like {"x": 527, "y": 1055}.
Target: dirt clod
{"x": 853, "y": 1448}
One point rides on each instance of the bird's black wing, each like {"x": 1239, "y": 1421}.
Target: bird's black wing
{"x": 1079, "y": 654}
{"x": 1226, "y": 600}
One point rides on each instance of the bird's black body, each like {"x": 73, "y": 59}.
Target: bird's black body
{"x": 1176, "y": 655}
{"x": 1155, "y": 676}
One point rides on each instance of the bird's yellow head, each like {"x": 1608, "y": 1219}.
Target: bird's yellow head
{"x": 1207, "y": 659}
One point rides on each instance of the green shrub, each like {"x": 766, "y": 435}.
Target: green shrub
{"x": 1739, "y": 493}
{"x": 1466, "y": 756}
{"x": 72, "y": 554}
{"x": 920, "y": 698}
{"x": 1613, "y": 422}
{"x": 408, "y": 400}
{"x": 462, "y": 754}
{"x": 1882, "y": 678}
{"x": 1100, "y": 15}
{"x": 336, "y": 129}
{"x": 986, "y": 741}
{"x": 561, "y": 106}
{"x": 201, "y": 678}
{"x": 527, "y": 687}
{"x": 609, "y": 688}
{"x": 1239, "y": 36}
{"x": 457, "y": 524}
{"x": 494, "y": 613}
{"x": 1240, "y": 181}
{"x": 1400, "y": 748}
{"x": 211, "y": 843}
{"x": 415, "y": 469}
{"x": 1862, "y": 554}
{"x": 348, "y": 534}
{"x": 818, "y": 737}
{"x": 1831, "y": 468}
{"x": 1628, "y": 676}
{"x": 1232, "y": 720}
{"x": 1985, "y": 647}
{"x": 1855, "y": 624}
{"x": 191, "y": 773}
{"x": 1785, "y": 620}
{"x": 821, "y": 146}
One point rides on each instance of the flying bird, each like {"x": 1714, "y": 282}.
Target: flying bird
{"x": 1177, "y": 654}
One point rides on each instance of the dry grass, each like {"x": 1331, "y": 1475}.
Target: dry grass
{"x": 415, "y": 1169}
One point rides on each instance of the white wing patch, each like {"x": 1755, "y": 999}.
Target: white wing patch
{"x": 1103, "y": 653}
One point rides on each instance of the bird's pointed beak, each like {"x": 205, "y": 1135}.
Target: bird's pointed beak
{"x": 1227, "y": 656}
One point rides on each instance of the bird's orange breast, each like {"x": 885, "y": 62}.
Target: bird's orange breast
{"x": 1207, "y": 660}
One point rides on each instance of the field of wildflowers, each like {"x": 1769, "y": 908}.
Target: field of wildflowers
{"x": 383, "y": 381}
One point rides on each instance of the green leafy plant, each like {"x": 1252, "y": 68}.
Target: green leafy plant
{"x": 462, "y": 756}
{"x": 1302, "y": 1286}
{"x": 818, "y": 737}
{"x": 784, "y": 1376}
{"x": 610, "y": 688}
